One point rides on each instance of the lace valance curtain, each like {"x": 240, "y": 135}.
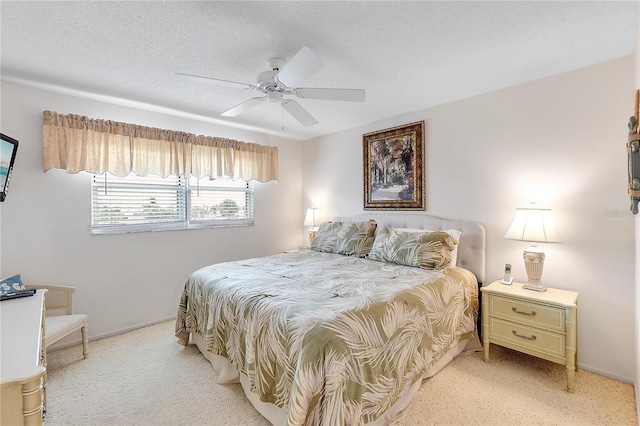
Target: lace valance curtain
{"x": 76, "y": 143}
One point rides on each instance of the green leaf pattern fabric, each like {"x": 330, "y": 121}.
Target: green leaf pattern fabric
{"x": 348, "y": 238}
{"x": 428, "y": 250}
{"x": 330, "y": 339}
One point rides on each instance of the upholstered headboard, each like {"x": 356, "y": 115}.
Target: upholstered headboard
{"x": 472, "y": 247}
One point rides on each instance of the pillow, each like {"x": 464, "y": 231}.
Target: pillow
{"x": 11, "y": 284}
{"x": 349, "y": 238}
{"x": 455, "y": 234}
{"x": 424, "y": 249}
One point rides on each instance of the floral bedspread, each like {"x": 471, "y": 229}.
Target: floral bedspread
{"x": 331, "y": 339}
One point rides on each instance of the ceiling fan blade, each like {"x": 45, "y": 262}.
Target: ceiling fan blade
{"x": 244, "y": 106}
{"x": 349, "y": 95}
{"x": 300, "y": 67}
{"x": 209, "y": 80}
{"x": 299, "y": 113}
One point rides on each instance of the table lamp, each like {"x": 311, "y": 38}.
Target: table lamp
{"x": 535, "y": 225}
{"x": 310, "y": 220}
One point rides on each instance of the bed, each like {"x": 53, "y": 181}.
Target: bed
{"x": 346, "y": 332}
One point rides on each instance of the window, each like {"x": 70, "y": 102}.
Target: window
{"x": 151, "y": 203}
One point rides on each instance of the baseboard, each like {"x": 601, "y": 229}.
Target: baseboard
{"x": 77, "y": 340}
{"x": 604, "y": 373}
{"x": 635, "y": 388}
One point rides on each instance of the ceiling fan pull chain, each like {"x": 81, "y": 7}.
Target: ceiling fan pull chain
{"x": 282, "y": 113}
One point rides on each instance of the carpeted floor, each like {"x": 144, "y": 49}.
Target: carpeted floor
{"x": 146, "y": 378}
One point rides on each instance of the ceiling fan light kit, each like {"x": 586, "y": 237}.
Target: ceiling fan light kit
{"x": 281, "y": 81}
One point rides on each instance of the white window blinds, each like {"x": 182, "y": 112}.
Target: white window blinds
{"x": 135, "y": 204}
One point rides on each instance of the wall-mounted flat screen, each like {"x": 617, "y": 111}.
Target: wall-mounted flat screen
{"x": 8, "y": 149}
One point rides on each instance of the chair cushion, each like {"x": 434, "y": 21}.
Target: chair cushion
{"x": 59, "y": 326}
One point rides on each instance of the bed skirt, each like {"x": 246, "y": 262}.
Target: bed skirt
{"x": 227, "y": 374}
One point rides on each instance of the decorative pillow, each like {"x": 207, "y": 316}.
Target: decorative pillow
{"x": 11, "y": 284}
{"x": 427, "y": 250}
{"x": 349, "y": 238}
{"x": 453, "y": 232}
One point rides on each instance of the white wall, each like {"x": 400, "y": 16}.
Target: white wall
{"x": 558, "y": 141}
{"x": 127, "y": 280}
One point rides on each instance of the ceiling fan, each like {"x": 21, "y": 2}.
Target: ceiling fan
{"x": 280, "y": 83}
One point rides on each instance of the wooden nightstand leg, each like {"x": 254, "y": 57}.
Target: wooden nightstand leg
{"x": 85, "y": 342}
{"x": 575, "y": 360}
{"x": 571, "y": 380}
{"x": 485, "y": 327}
{"x": 571, "y": 347}
{"x": 43, "y": 362}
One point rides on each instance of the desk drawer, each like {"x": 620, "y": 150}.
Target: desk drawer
{"x": 529, "y": 337}
{"x": 537, "y": 315}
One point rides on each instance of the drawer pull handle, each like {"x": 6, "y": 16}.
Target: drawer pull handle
{"x": 529, "y": 314}
{"x": 532, "y": 338}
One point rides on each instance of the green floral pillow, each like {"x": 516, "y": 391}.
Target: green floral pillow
{"x": 427, "y": 250}
{"x": 349, "y": 238}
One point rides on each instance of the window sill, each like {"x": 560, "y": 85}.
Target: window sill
{"x": 158, "y": 227}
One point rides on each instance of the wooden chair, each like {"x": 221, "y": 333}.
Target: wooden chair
{"x": 60, "y": 321}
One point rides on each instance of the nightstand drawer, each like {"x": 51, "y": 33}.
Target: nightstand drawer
{"x": 548, "y": 317}
{"x": 529, "y": 337}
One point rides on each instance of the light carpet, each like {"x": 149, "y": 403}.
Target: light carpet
{"x": 145, "y": 377}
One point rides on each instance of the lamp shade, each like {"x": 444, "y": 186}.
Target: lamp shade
{"x": 533, "y": 224}
{"x": 310, "y": 217}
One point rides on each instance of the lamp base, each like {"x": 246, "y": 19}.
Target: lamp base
{"x": 533, "y": 263}
{"x": 535, "y": 287}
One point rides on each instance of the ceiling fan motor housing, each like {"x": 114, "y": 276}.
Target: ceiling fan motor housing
{"x": 266, "y": 80}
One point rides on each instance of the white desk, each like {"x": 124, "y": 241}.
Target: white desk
{"x": 22, "y": 356}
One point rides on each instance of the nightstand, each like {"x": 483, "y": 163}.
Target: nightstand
{"x": 542, "y": 324}
{"x": 299, "y": 249}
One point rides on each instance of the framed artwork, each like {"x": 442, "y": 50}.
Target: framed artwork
{"x": 393, "y": 168}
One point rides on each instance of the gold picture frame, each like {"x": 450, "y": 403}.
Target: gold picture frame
{"x": 393, "y": 168}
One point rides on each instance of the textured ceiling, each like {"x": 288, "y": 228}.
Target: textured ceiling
{"x": 406, "y": 55}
